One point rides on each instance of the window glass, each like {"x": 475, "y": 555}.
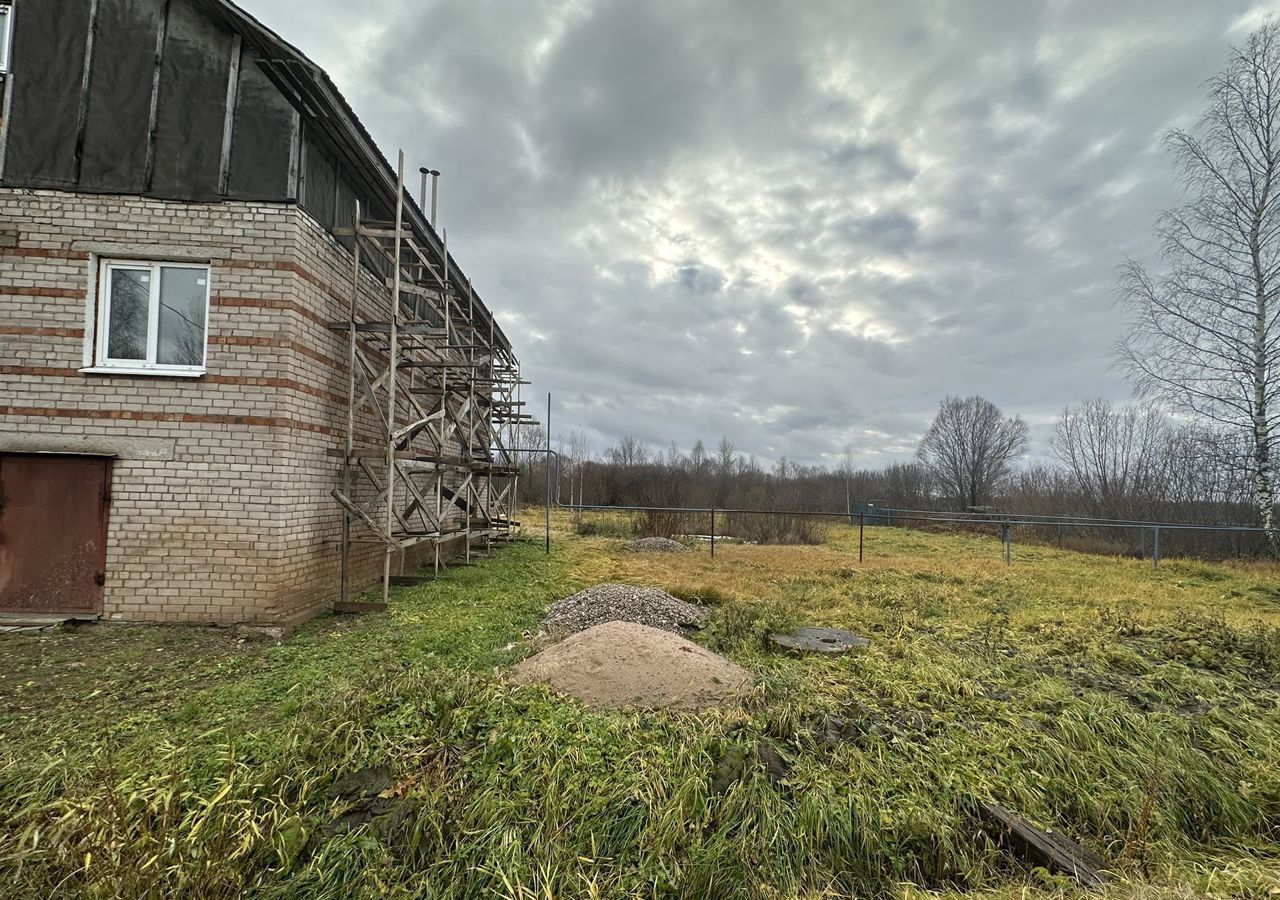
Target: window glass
{"x": 180, "y": 332}
{"x": 4, "y": 38}
{"x": 152, "y": 316}
{"x": 127, "y": 318}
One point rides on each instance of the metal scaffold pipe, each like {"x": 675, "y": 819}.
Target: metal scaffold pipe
{"x": 422, "y": 187}
{"x": 435, "y": 195}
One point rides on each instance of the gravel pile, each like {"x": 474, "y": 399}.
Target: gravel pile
{"x": 655, "y": 545}
{"x": 611, "y": 602}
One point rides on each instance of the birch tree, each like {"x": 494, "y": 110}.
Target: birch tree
{"x": 1203, "y": 331}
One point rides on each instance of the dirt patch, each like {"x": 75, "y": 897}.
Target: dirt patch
{"x": 624, "y": 664}
{"x": 95, "y": 674}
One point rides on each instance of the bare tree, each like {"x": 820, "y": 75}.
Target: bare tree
{"x": 1204, "y": 333}
{"x": 725, "y": 456}
{"x": 628, "y": 453}
{"x": 1200, "y": 468}
{"x": 579, "y": 454}
{"x": 698, "y": 457}
{"x": 725, "y": 466}
{"x": 675, "y": 459}
{"x": 970, "y": 448}
{"x": 529, "y": 437}
{"x": 846, "y": 469}
{"x": 530, "y": 440}
{"x": 903, "y": 485}
{"x": 1113, "y": 455}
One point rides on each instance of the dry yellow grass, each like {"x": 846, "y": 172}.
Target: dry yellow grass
{"x": 964, "y": 572}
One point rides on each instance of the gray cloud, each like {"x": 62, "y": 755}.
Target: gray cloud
{"x": 799, "y": 225}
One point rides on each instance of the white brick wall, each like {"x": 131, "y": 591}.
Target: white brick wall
{"x": 239, "y": 526}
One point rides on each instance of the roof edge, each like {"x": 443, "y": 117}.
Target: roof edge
{"x": 377, "y": 169}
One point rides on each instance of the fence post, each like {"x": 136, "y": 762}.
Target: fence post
{"x": 862, "y": 522}
{"x": 1142, "y": 545}
{"x": 713, "y": 532}
{"x": 1155, "y": 548}
{"x": 1008, "y": 544}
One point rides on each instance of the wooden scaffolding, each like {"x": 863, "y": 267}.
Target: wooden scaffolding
{"x": 432, "y": 401}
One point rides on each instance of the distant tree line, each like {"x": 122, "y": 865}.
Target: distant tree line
{"x": 1105, "y": 461}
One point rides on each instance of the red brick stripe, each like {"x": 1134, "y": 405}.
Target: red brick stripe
{"x": 287, "y": 384}
{"x": 38, "y": 371}
{"x": 44, "y": 253}
{"x": 51, "y": 412}
{"x": 41, "y": 331}
{"x": 235, "y": 340}
{"x": 223, "y": 302}
{"x": 15, "y": 291}
{"x": 284, "y": 266}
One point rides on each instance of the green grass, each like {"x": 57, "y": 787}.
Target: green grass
{"x": 386, "y": 755}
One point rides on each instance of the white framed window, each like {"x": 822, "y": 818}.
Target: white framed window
{"x": 6, "y": 35}
{"x": 151, "y": 317}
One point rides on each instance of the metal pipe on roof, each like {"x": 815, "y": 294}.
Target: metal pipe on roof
{"x": 435, "y": 192}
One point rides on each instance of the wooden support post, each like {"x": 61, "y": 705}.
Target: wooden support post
{"x": 424, "y": 326}
{"x": 444, "y": 405}
{"x": 345, "y": 593}
{"x": 393, "y": 363}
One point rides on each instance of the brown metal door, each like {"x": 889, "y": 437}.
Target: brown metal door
{"x": 53, "y": 533}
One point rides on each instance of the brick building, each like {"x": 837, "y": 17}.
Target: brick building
{"x": 200, "y": 416}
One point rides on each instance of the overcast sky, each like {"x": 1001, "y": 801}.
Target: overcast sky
{"x": 796, "y": 224}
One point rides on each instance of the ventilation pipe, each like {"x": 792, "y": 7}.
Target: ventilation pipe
{"x": 435, "y": 191}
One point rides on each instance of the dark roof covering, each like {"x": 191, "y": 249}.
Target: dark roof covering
{"x": 318, "y": 99}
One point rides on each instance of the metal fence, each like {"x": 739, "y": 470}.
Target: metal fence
{"x": 1150, "y": 533}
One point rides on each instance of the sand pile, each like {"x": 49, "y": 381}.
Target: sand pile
{"x": 622, "y": 602}
{"x": 625, "y": 664}
{"x": 655, "y": 545}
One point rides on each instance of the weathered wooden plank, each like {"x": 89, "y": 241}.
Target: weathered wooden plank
{"x": 1050, "y": 849}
